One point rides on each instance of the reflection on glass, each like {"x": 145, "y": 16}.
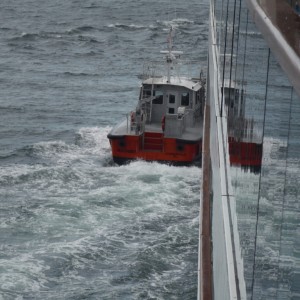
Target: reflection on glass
{"x": 263, "y": 114}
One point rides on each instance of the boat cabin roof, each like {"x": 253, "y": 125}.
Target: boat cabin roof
{"x": 192, "y": 84}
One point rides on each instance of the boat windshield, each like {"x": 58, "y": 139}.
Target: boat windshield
{"x": 159, "y": 97}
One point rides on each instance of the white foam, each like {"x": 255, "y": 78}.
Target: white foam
{"x": 178, "y": 22}
{"x": 80, "y": 211}
{"x": 132, "y": 26}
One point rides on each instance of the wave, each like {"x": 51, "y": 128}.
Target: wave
{"x": 86, "y": 28}
{"x": 105, "y": 225}
{"x": 26, "y": 37}
{"x": 153, "y": 27}
{"x": 93, "y": 140}
{"x": 87, "y": 141}
{"x": 31, "y": 37}
{"x": 11, "y": 108}
{"x": 176, "y": 22}
{"x": 80, "y": 32}
{"x": 127, "y": 27}
{"x": 80, "y": 29}
{"x": 5, "y": 28}
{"x": 89, "y": 39}
{"x": 81, "y": 74}
{"x": 93, "y": 6}
{"x": 57, "y": 160}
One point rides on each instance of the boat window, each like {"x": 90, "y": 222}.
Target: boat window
{"x": 171, "y": 98}
{"x": 146, "y": 93}
{"x": 171, "y": 110}
{"x": 159, "y": 97}
{"x": 185, "y": 99}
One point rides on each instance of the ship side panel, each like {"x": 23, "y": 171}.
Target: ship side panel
{"x": 177, "y": 151}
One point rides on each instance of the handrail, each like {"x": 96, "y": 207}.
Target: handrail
{"x": 228, "y": 277}
{"x": 205, "y": 263}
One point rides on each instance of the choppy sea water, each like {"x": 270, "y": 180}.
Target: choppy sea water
{"x": 73, "y": 225}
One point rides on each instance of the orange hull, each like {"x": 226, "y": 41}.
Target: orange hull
{"x": 244, "y": 153}
{"x": 154, "y": 147}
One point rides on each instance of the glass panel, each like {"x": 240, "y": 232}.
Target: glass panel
{"x": 171, "y": 99}
{"x": 185, "y": 99}
{"x": 171, "y": 110}
{"x": 146, "y": 93}
{"x": 159, "y": 97}
{"x": 264, "y": 146}
{"x": 276, "y": 267}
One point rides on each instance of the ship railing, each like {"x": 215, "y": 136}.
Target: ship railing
{"x": 197, "y": 113}
{"x": 185, "y": 68}
{"x": 227, "y": 268}
{"x": 192, "y": 116}
{"x": 145, "y": 104}
{"x": 175, "y": 125}
{"x": 136, "y": 122}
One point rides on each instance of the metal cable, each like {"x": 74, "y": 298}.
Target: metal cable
{"x": 232, "y": 44}
{"x": 260, "y": 177}
{"x": 238, "y": 39}
{"x": 245, "y": 47}
{"x": 224, "y": 59}
{"x": 236, "y": 68}
{"x": 285, "y": 181}
{"x": 230, "y": 70}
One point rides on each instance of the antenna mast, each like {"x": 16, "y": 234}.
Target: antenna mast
{"x": 171, "y": 56}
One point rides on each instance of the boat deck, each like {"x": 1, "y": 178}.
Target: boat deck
{"x": 189, "y": 134}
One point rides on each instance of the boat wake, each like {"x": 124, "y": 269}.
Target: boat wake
{"x": 96, "y": 225}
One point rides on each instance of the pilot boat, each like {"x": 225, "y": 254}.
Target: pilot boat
{"x": 167, "y": 122}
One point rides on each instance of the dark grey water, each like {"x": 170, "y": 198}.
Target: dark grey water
{"x": 72, "y": 224}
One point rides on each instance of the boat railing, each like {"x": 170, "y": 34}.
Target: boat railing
{"x": 136, "y": 122}
{"x": 184, "y": 68}
{"x": 175, "y": 125}
{"x": 197, "y": 114}
{"x": 145, "y": 104}
{"x": 192, "y": 116}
